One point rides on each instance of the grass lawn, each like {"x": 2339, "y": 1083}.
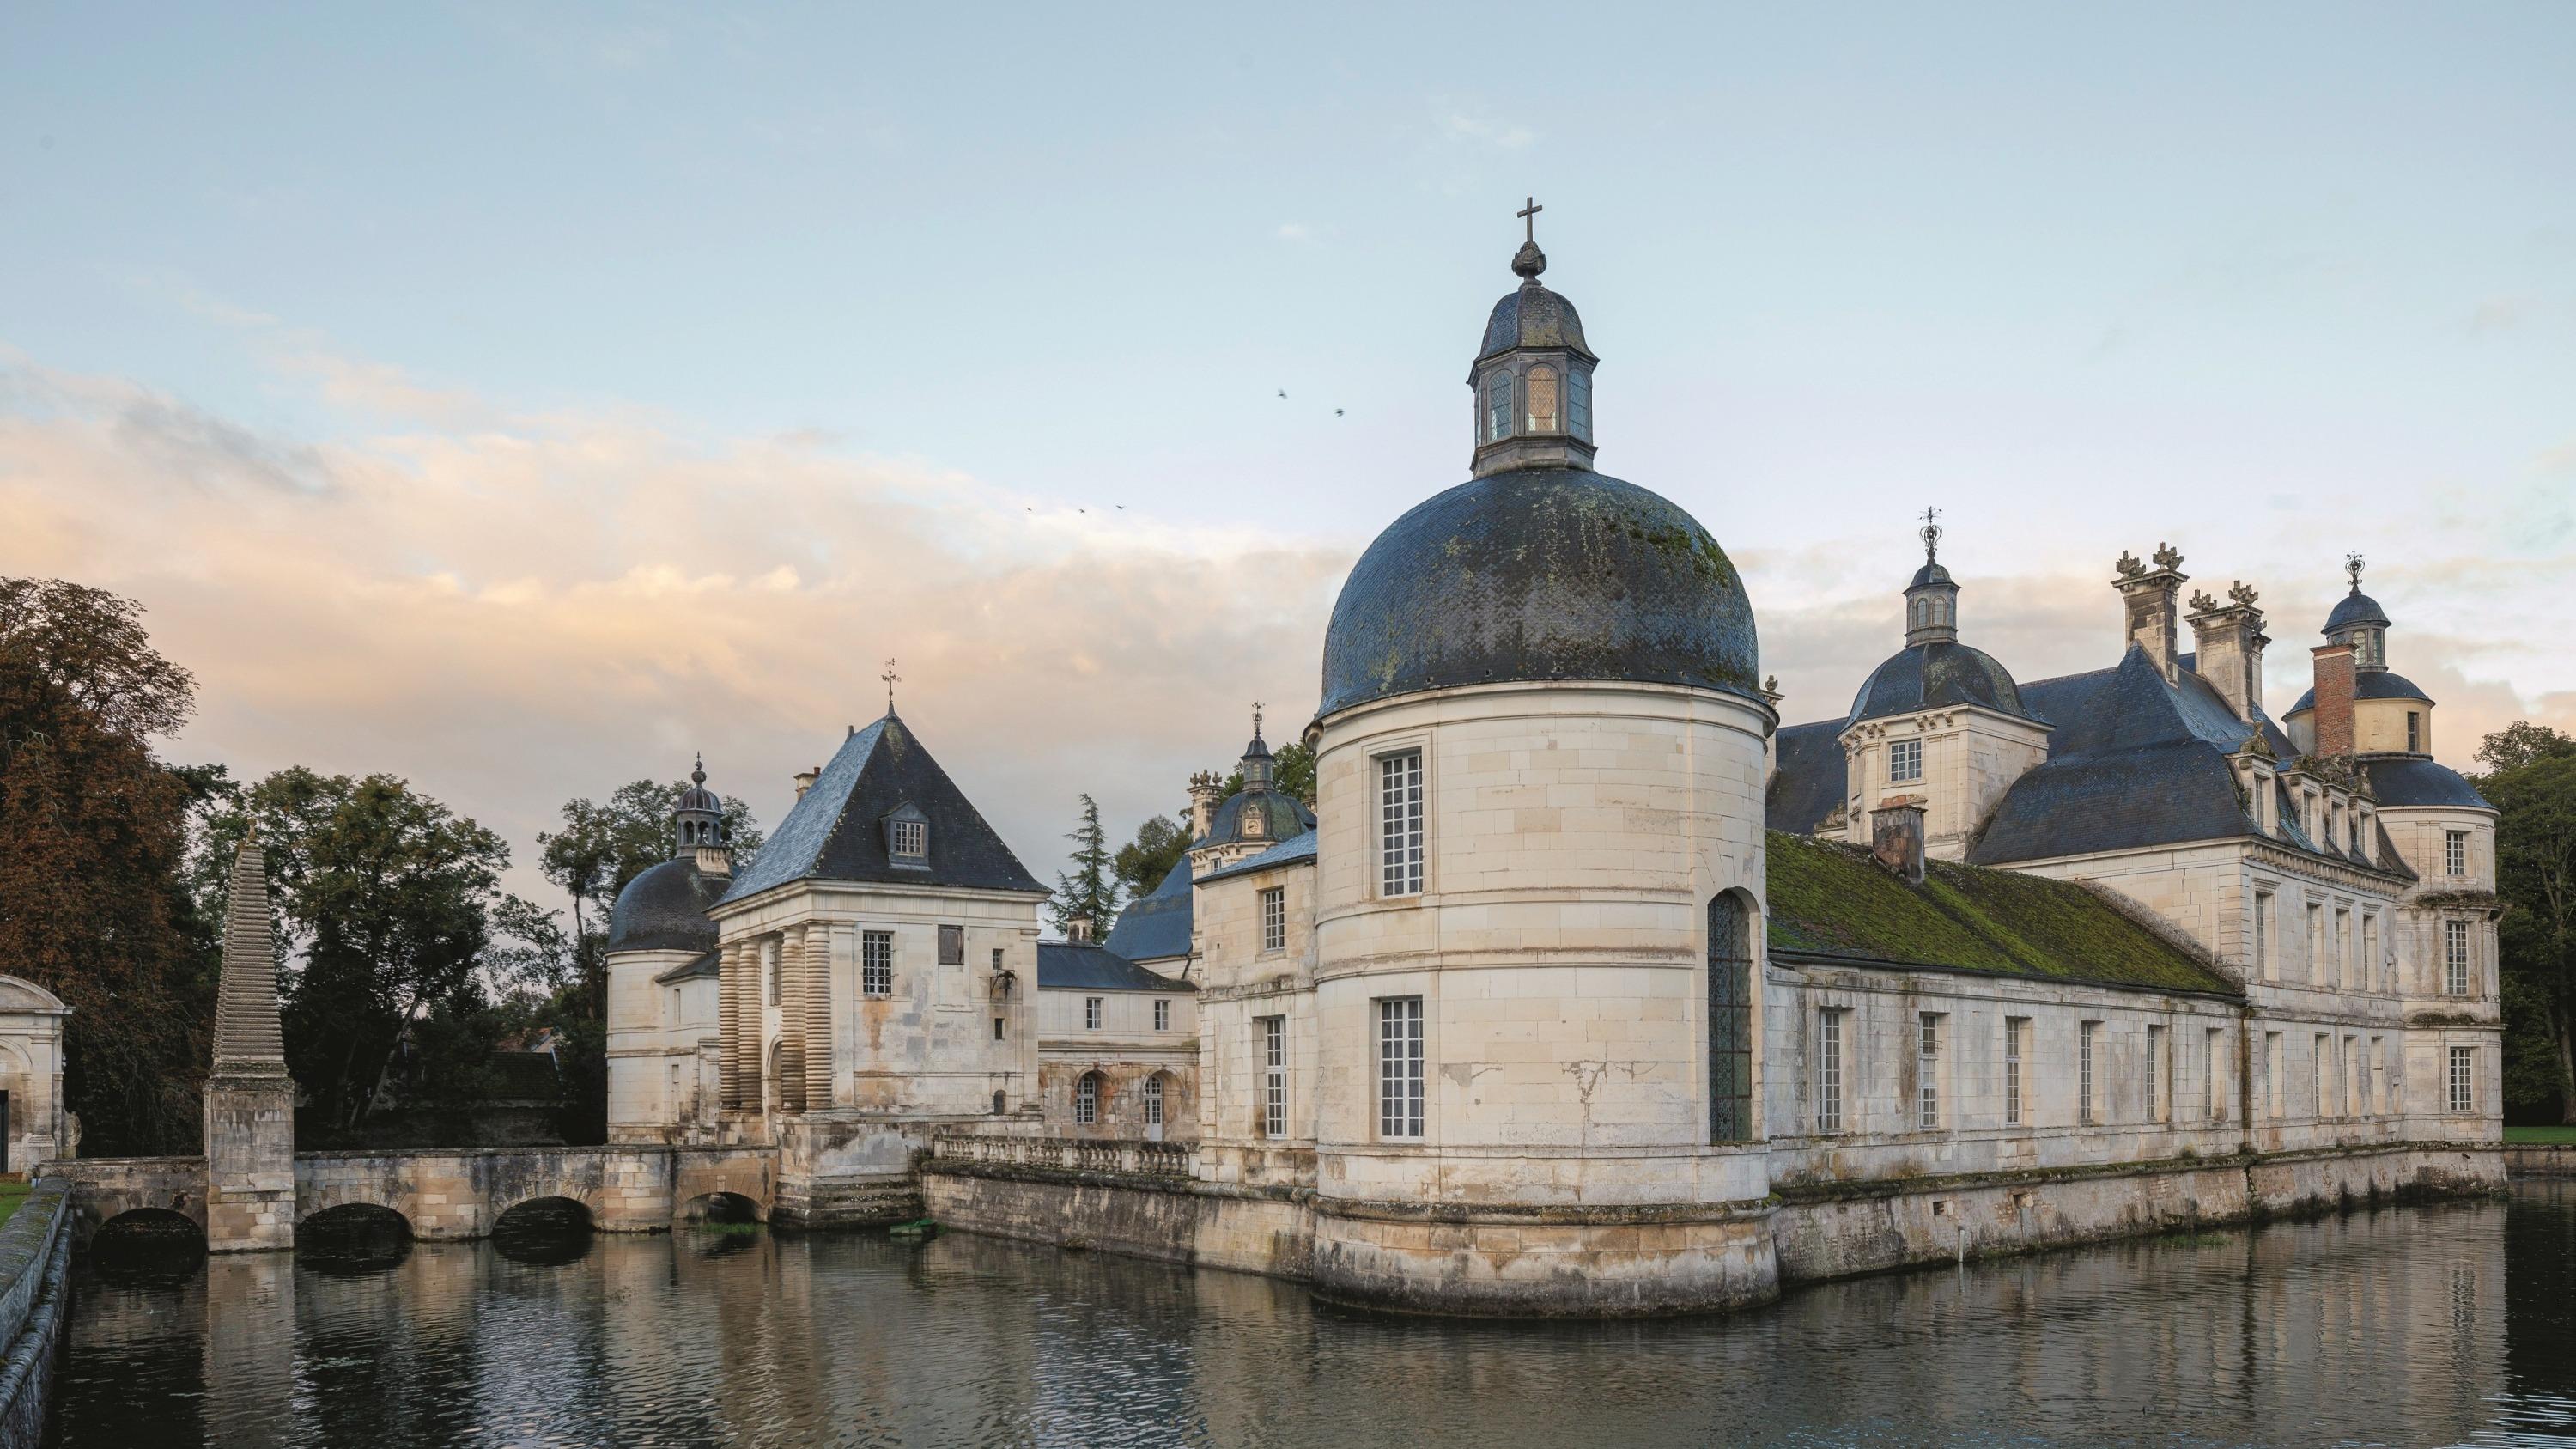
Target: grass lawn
{"x": 2565, "y": 1135}
{"x": 12, "y": 1194}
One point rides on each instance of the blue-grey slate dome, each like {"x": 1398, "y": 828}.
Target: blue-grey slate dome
{"x": 665, "y": 909}
{"x": 1930, "y": 676}
{"x": 1539, "y": 573}
{"x": 2371, "y": 684}
{"x": 1930, "y": 573}
{"x": 2356, "y": 608}
{"x": 1532, "y": 316}
{"x": 1280, "y": 817}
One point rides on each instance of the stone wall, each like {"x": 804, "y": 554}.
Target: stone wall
{"x": 35, "y": 1263}
{"x": 2540, "y": 1159}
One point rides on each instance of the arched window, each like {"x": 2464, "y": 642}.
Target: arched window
{"x": 1730, "y": 1020}
{"x": 1001, "y": 1103}
{"x": 1086, "y": 1100}
{"x": 1542, "y": 401}
{"x": 1922, "y": 612}
{"x": 1578, "y": 404}
{"x": 1498, "y": 406}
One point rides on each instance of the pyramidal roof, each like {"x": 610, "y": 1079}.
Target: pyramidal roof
{"x": 837, "y": 830}
{"x": 248, "y": 1039}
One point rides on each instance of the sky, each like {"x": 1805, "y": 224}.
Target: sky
{"x": 519, "y": 399}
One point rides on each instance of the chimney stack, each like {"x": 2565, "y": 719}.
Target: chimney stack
{"x": 1077, "y": 929}
{"x": 2149, "y": 595}
{"x": 1896, "y": 838}
{"x": 805, "y": 780}
{"x": 2228, "y": 643}
{"x": 1206, "y": 793}
{"x": 2332, "y": 720}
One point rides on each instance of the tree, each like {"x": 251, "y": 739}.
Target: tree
{"x": 2534, "y": 791}
{"x": 93, "y": 834}
{"x": 1142, "y": 863}
{"x": 1091, "y": 892}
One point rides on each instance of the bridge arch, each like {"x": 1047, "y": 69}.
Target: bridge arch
{"x": 721, "y": 1207}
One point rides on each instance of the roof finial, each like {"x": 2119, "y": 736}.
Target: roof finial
{"x": 1529, "y": 261}
{"x": 890, "y": 678}
{"x": 2352, "y": 566}
{"x": 698, "y": 771}
{"x": 1256, "y": 719}
{"x": 1930, "y": 533}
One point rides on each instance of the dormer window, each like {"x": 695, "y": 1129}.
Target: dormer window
{"x": 1498, "y": 406}
{"x": 1578, "y": 404}
{"x": 1542, "y": 416}
{"x": 908, "y": 837}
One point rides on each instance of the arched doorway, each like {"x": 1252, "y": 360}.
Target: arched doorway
{"x": 1730, "y": 1018}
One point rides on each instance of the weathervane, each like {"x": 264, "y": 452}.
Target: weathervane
{"x": 2352, "y": 566}
{"x": 889, "y": 677}
{"x": 1256, "y": 719}
{"x": 1930, "y": 533}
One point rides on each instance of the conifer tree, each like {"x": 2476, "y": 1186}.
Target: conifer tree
{"x": 1091, "y": 891}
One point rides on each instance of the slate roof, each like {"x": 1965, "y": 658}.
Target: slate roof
{"x": 665, "y": 909}
{"x": 1807, "y": 776}
{"x": 2355, "y": 608}
{"x": 1532, "y": 316}
{"x": 1832, "y": 900}
{"x": 1281, "y": 817}
{"x": 2404, "y": 780}
{"x": 1156, "y": 926}
{"x": 2372, "y": 684}
{"x": 1539, "y": 573}
{"x": 709, "y": 964}
{"x": 1296, "y": 850}
{"x": 1068, "y": 966}
{"x": 1929, "y": 676}
{"x": 836, "y": 831}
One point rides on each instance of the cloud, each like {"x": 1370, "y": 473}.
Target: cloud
{"x": 1470, "y": 125}
{"x": 1295, "y": 231}
{"x": 2499, "y": 314}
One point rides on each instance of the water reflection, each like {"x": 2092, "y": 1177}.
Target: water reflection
{"x": 2404, "y": 1326}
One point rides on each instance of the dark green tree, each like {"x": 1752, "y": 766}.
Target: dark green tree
{"x": 1091, "y": 891}
{"x": 2533, "y": 788}
{"x": 1143, "y": 862}
{"x": 1292, "y": 772}
{"x": 93, "y": 837}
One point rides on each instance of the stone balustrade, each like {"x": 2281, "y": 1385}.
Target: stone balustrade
{"x": 1125, "y": 1156}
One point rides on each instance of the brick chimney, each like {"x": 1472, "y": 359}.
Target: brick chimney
{"x": 2149, "y": 597}
{"x": 1896, "y": 837}
{"x": 2228, "y": 647}
{"x": 2332, "y": 720}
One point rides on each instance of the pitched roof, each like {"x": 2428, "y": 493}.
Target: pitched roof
{"x": 1807, "y": 776}
{"x": 1297, "y": 849}
{"x": 709, "y": 964}
{"x": 249, "y": 1041}
{"x": 1156, "y": 926}
{"x": 1830, "y": 899}
{"x": 836, "y": 831}
{"x": 1082, "y": 966}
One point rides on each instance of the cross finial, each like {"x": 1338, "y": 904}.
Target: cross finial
{"x": 1930, "y": 533}
{"x": 1529, "y": 219}
{"x": 2352, "y": 566}
{"x": 1256, "y": 719}
{"x": 890, "y": 678}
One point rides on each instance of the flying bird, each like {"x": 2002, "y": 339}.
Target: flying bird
{"x": 1337, "y": 412}
{"x": 1283, "y": 392}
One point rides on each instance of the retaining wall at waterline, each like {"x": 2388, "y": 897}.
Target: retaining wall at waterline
{"x": 35, "y": 1268}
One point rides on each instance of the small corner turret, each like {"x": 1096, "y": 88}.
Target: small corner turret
{"x": 1932, "y": 599}
{"x": 1532, "y": 377}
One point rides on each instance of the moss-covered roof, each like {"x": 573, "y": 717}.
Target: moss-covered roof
{"x": 1834, "y": 899}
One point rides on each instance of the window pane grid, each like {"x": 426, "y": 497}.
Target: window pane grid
{"x": 876, "y": 963}
{"x": 2455, "y": 958}
{"x": 1274, "y": 1072}
{"x": 2464, "y": 1079}
{"x": 1905, "y": 760}
{"x": 1730, "y": 1021}
{"x": 1399, "y": 1067}
{"x": 2084, "y": 1072}
{"x": 1829, "y": 1071}
{"x": 2015, "y": 1028}
{"x": 1400, "y": 824}
{"x": 1274, "y": 919}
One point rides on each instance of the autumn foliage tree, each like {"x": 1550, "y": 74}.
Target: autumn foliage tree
{"x": 93, "y": 832}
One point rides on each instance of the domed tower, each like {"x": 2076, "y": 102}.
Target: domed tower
{"x": 2368, "y": 708}
{"x": 662, "y": 973}
{"x": 1539, "y": 883}
{"x": 1252, "y": 819}
{"x": 1938, "y": 731}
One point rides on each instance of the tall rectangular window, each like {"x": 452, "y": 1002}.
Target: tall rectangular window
{"x": 2455, "y": 852}
{"x": 2414, "y": 732}
{"x": 1162, "y": 1014}
{"x": 876, "y": 963}
{"x": 1730, "y": 1019}
{"x": 1905, "y": 761}
{"x": 1091, "y": 1013}
{"x": 2317, "y": 1077}
{"x": 2263, "y": 934}
{"x": 1927, "y": 1070}
{"x": 2374, "y": 1079}
{"x": 1829, "y": 1070}
{"x": 2370, "y": 971}
{"x": 2455, "y": 957}
{"x": 2015, "y": 1029}
{"x": 2157, "y": 1073}
{"x": 2273, "y": 1073}
{"x": 952, "y": 945}
{"x": 2343, "y": 947}
{"x": 1399, "y": 1066}
{"x": 1274, "y": 1076}
{"x": 1578, "y": 403}
{"x": 1498, "y": 405}
{"x": 2464, "y": 1079}
{"x": 1274, "y": 919}
{"x": 2084, "y": 1034}
{"x": 1399, "y": 824}
{"x": 2316, "y": 944}
{"x": 769, "y": 975}
{"x": 2211, "y": 1102}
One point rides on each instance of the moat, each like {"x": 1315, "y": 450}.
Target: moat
{"x": 2418, "y": 1325}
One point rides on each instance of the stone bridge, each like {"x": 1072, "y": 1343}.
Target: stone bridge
{"x": 451, "y": 1192}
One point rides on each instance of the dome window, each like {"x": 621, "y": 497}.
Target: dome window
{"x": 1578, "y": 404}
{"x": 1498, "y": 406}
{"x": 1542, "y": 416}
{"x": 908, "y": 837}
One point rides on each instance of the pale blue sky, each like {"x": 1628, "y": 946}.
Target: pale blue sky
{"x": 2269, "y": 281}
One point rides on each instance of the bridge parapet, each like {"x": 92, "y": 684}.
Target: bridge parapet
{"x": 105, "y": 1187}
{"x": 1131, "y": 1156}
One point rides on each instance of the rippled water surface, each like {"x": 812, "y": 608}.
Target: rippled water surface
{"x": 2405, "y": 1326}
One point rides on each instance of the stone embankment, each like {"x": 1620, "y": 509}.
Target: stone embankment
{"x": 35, "y": 1266}
{"x": 2540, "y": 1159}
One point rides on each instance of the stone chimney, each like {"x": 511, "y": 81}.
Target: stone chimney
{"x": 805, "y": 780}
{"x": 2332, "y": 720}
{"x": 1896, "y": 837}
{"x": 249, "y": 1100}
{"x": 2149, "y": 595}
{"x": 2228, "y": 647}
{"x": 1206, "y": 793}
{"x": 1077, "y": 929}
